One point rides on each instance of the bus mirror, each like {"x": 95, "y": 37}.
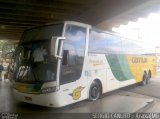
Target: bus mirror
{"x": 56, "y": 46}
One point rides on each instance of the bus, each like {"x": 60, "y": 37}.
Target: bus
{"x": 76, "y": 62}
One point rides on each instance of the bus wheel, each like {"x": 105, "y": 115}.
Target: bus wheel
{"x": 149, "y": 74}
{"x": 144, "y": 78}
{"x": 95, "y": 91}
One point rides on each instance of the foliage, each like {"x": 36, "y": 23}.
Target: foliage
{"x": 2, "y": 43}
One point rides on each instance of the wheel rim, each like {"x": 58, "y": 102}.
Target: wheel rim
{"x": 95, "y": 92}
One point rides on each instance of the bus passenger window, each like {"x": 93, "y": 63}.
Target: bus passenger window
{"x": 65, "y": 57}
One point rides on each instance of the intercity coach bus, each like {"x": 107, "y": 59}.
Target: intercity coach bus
{"x": 80, "y": 62}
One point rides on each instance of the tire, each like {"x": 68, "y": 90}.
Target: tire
{"x": 95, "y": 91}
{"x": 145, "y": 78}
{"x": 149, "y": 74}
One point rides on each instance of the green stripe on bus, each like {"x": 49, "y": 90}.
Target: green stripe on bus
{"x": 120, "y": 67}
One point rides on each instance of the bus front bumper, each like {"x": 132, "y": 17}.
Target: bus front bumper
{"x": 47, "y": 100}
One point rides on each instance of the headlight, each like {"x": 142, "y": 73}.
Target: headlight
{"x": 48, "y": 90}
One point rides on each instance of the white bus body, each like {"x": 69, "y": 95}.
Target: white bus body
{"x": 82, "y": 72}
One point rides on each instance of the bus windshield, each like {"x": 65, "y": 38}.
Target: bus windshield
{"x": 42, "y": 33}
{"x": 33, "y": 61}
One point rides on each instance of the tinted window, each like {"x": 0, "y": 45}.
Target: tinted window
{"x": 131, "y": 47}
{"x": 75, "y": 43}
{"x": 114, "y": 44}
{"x": 73, "y": 54}
{"x": 42, "y": 33}
{"x": 100, "y": 42}
{"x": 97, "y": 42}
{"x": 136, "y": 47}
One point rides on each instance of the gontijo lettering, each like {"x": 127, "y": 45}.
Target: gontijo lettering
{"x": 139, "y": 60}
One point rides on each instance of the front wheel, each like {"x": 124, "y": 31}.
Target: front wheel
{"x": 95, "y": 91}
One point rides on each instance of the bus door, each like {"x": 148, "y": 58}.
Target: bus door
{"x": 71, "y": 83}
